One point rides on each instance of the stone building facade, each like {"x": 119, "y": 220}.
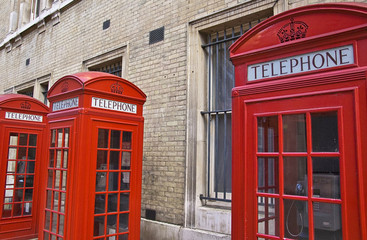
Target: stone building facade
{"x": 177, "y": 53}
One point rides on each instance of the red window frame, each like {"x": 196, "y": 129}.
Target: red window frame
{"x": 343, "y": 101}
{"x": 108, "y": 211}
{"x": 28, "y": 158}
{"x": 56, "y": 189}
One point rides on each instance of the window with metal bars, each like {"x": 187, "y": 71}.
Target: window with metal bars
{"x": 114, "y": 68}
{"x": 218, "y": 112}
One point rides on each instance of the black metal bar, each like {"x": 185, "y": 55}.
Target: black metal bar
{"x": 208, "y": 120}
{"x": 225, "y": 122}
{"x": 216, "y": 156}
{"x": 216, "y": 111}
{"x": 220, "y": 41}
{"x": 214, "y": 199}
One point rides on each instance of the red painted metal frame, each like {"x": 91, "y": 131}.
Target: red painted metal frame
{"x": 316, "y": 88}
{"x": 84, "y": 121}
{"x": 21, "y": 227}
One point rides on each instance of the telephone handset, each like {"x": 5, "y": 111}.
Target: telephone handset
{"x": 300, "y": 190}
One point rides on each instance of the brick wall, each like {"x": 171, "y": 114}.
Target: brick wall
{"x": 158, "y": 69}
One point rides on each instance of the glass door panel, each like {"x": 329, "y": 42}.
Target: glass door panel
{"x": 57, "y": 184}
{"x": 298, "y": 171}
{"x": 112, "y": 197}
{"x": 20, "y": 171}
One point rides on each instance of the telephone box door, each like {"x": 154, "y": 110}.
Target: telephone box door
{"x": 303, "y": 150}
{"x": 22, "y": 153}
{"x": 116, "y": 209}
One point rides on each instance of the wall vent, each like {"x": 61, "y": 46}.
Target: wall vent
{"x": 150, "y": 214}
{"x": 156, "y": 35}
{"x": 106, "y": 24}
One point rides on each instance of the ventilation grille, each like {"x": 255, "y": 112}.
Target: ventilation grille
{"x": 156, "y": 35}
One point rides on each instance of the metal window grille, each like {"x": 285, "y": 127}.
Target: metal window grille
{"x": 112, "y": 68}
{"x": 219, "y": 112}
{"x": 28, "y": 92}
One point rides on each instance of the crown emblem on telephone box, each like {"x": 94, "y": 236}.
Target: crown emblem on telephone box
{"x": 116, "y": 88}
{"x": 292, "y": 31}
{"x": 25, "y": 105}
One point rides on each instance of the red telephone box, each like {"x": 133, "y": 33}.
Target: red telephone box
{"x": 22, "y": 130}
{"x": 299, "y": 132}
{"x": 93, "y": 187}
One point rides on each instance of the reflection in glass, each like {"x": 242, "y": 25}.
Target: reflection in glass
{"x": 61, "y": 225}
{"x": 28, "y": 194}
{"x": 10, "y": 181}
{"x": 50, "y": 178}
{"x": 29, "y": 181}
{"x": 123, "y": 222}
{"x": 126, "y": 140}
{"x": 101, "y": 182}
{"x": 99, "y": 223}
{"x": 268, "y": 216}
{"x": 19, "y": 181}
{"x": 18, "y": 195}
{"x": 295, "y": 175}
{"x": 56, "y": 201}
{"x": 296, "y": 219}
{"x": 57, "y": 179}
{"x": 27, "y": 209}
{"x": 101, "y": 159}
{"x": 53, "y": 138}
{"x": 100, "y": 203}
{"x": 62, "y": 202}
{"x": 66, "y": 137}
{"x": 22, "y": 153}
{"x": 49, "y": 199}
{"x": 112, "y": 202}
{"x": 47, "y": 220}
{"x": 102, "y": 138}
{"x": 268, "y": 175}
{"x": 64, "y": 181}
{"x": 115, "y": 139}
{"x": 11, "y": 167}
{"x": 111, "y": 224}
{"x": 21, "y": 167}
{"x": 325, "y": 132}
{"x": 294, "y": 131}
{"x": 114, "y": 160}
{"x": 13, "y": 140}
{"x": 125, "y": 160}
{"x": 124, "y": 202}
{"x": 23, "y": 137}
{"x": 327, "y": 221}
{"x": 125, "y": 181}
{"x": 12, "y": 153}
{"x": 54, "y": 222}
{"x": 65, "y": 161}
{"x": 31, "y": 153}
{"x": 46, "y": 236}
{"x": 113, "y": 181}
{"x": 58, "y": 159}
{"x": 52, "y": 158}
{"x": 267, "y": 134}
{"x": 59, "y": 138}
{"x": 30, "y": 167}
{"x": 9, "y": 193}
{"x": 32, "y": 140}
{"x": 124, "y": 237}
{"x": 17, "y": 211}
